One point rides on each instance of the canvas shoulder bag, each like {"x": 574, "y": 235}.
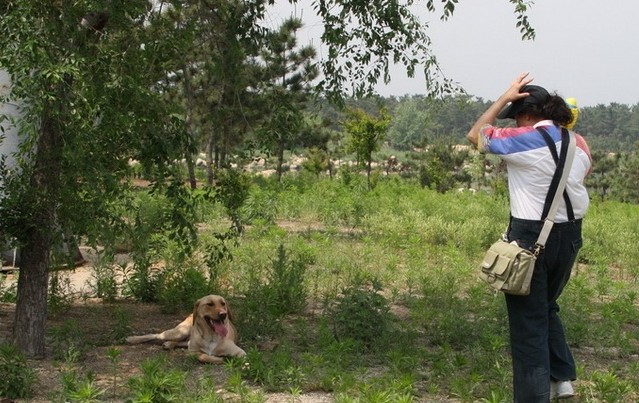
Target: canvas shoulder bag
{"x": 506, "y": 266}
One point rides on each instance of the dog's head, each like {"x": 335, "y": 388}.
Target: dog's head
{"x": 213, "y": 311}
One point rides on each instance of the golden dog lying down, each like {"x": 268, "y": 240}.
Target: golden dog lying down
{"x": 208, "y": 332}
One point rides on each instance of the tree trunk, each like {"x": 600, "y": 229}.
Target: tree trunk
{"x": 210, "y": 176}
{"x": 221, "y": 163}
{"x": 190, "y": 106}
{"x": 31, "y": 306}
{"x": 280, "y": 160}
{"x": 190, "y": 165}
{"x": 368, "y": 171}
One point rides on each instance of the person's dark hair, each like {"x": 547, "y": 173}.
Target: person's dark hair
{"x": 554, "y": 108}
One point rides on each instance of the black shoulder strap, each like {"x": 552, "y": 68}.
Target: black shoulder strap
{"x": 560, "y": 167}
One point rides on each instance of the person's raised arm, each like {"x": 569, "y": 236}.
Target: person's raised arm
{"x": 510, "y": 95}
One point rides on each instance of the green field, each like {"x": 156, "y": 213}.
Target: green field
{"x": 372, "y": 296}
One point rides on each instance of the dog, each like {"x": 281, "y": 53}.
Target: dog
{"x": 208, "y": 332}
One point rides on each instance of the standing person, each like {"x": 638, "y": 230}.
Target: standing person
{"x": 543, "y": 366}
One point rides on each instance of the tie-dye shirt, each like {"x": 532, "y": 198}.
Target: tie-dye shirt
{"x": 531, "y": 168}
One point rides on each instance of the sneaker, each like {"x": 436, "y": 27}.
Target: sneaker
{"x": 561, "y": 390}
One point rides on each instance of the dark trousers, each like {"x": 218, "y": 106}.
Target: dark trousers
{"x": 538, "y": 343}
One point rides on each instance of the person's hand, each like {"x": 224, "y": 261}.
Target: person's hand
{"x": 512, "y": 94}
{"x": 488, "y": 118}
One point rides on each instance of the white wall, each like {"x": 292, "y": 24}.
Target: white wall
{"x": 9, "y": 139}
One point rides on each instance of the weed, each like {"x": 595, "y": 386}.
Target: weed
{"x": 607, "y": 387}
{"x": 179, "y": 288}
{"x": 286, "y": 284}
{"x": 401, "y": 362}
{"x": 496, "y": 396}
{"x": 265, "y": 304}
{"x": 280, "y": 373}
{"x": 205, "y": 391}
{"x": 360, "y": 313}
{"x": 17, "y": 378}
{"x": 80, "y": 390}
{"x": 8, "y": 293}
{"x": 383, "y": 389}
{"x": 261, "y": 206}
{"x": 114, "y": 355}
{"x": 141, "y": 282}
{"x": 158, "y": 382}
{"x": 67, "y": 342}
{"x": 104, "y": 283}
{"x": 121, "y": 327}
{"x": 60, "y": 292}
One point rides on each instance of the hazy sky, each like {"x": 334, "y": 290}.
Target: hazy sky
{"x": 585, "y": 49}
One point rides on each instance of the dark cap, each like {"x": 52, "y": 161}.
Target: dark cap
{"x": 536, "y": 96}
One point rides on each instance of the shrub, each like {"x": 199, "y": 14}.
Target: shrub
{"x": 158, "y": 383}
{"x": 105, "y": 283}
{"x": 78, "y": 387}
{"x": 181, "y": 288}
{"x": 266, "y": 302}
{"x": 142, "y": 283}
{"x": 8, "y": 293}
{"x": 67, "y": 342}
{"x": 17, "y": 378}
{"x": 286, "y": 284}
{"x": 360, "y": 313}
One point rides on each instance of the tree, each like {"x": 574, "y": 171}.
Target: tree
{"x": 289, "y": 72}
{"x": 625, "y": 186}
{"x": 409, "y": 125}
{"x": 87, "y": 86}
{"x": 366, "y": 134}
{"x": 365, "y": 37}
{"x": 443, "y": 167}
{"x": 603, "y": 173}
{"x": 218, "y": 74}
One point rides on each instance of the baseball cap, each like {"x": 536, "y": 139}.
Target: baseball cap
{"x": 536, "y": 96}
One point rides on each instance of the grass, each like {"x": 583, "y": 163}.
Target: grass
{"x": 385, "y": 302}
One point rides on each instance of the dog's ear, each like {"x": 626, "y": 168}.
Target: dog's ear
{"x": 195, "y": 307}
{"x": 228, "y": 311}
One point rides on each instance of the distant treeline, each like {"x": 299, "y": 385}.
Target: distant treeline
{"x": 419, "y": 120}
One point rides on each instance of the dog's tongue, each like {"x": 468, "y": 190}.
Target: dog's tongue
{"x": 219, "y": 328}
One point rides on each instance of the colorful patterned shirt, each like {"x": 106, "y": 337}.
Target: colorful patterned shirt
{"x": 531, "y": 167}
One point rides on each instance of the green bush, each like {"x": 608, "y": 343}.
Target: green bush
{"x": 78, "y": 387}
{"x": 17, "y": 378}
{"x": 286, "y": 284}
{"x": 180, "y": 288}
{"x": 67, "y": 341}
{"x": 105, "y": 283}
{"x": 360, "y": 313}
{"x": 142, "y": 283}
{"x": 277, "y": 371}
{"x": 267, "y": 300}
{"x": 158, "y": 383}
{"x": 8, "y": 293}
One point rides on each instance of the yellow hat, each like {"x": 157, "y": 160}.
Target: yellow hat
{"x": 572, "y": 104}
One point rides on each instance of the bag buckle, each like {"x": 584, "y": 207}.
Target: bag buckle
{"x": 538, "y": 249}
